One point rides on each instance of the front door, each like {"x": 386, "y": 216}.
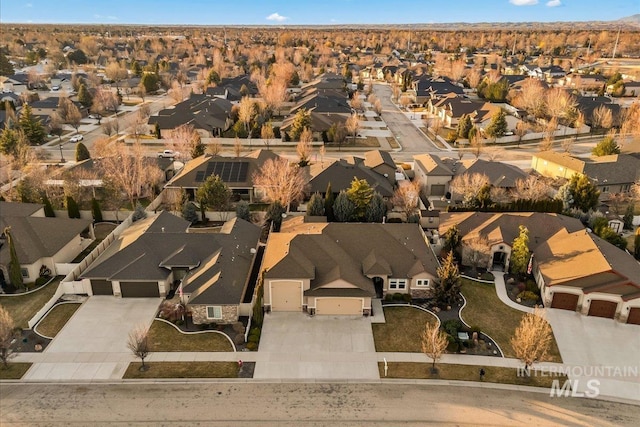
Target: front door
{"x": 499, "y": 260}
{"x": 378, "y": 285}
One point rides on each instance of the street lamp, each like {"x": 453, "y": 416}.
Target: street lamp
{"x": 62, "y": 160}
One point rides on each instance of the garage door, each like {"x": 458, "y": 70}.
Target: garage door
{"x": 286, "y": 296}
{"x": 101, "y": 287}
{"x": 139, "y": 289}
{"x": 437, "y": 190}
{"x": 339, "y": 306}
{"x": 634, "y": 316}
{"x": 600, "y": 308}
{"x": 565, "y": 301}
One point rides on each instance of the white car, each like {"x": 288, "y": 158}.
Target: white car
{"x": 76, "y": 138}
{"x": 168, "y": 154}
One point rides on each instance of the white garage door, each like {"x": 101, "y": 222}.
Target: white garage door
{"x": 286, "y": 296}
{"x": 339, "y": 306}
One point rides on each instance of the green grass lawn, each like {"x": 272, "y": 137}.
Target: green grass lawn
{"x": 15, "y": 371}
{"x": 402, "y": 330}
{"x": 165, "y": 337}
{"x": 465, "y": 373}
{"x": 22, "y": 308}
{"x": 485, "y": 310}
{"x": 56, "y": 318}
{"x": 183, "y": 370}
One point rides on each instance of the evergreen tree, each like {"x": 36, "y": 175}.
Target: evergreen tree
{"x": 243, "y": 211}
{"x": 520, "y": 252}
{"x": 9, "y": 141}
{"x": 213, "y": 78}
{"x": 315, "y": 206}
{"x": 198, "y": 148}
{"x": 189, "y": 212}
{"x": 149, "y": 82}
{"x": 96, "y": 211}
{"x": 329, "y": 200}
{"x": 48, "y": 209}
{"x": 214, "y": 194}
{"x": 498, "y": 125}
{"x": 343, "y": 208}
{"x": 360, "y": 194}
{"x": 139, "y": 212}
{"x": 156, "y": 131}
{"x": 72, "y": 208}
{"x": 136, "y": 68}
{"x": 584, "y": 194}
{"x": 464, "y": 126}
{"x": 606, "y": 147}
{"x": 301, "y": 120}
{"x": 15, "y": 272}
{"x": 84, "y": 96}
{"x": 377, "y": 209}
{"x": 274, "y": 215}
{"x": 447, "y": 288}
{"x": 628, "y": 217}
{"x": 6, "y": 69}
{"x": 31, "y": 126}
{"x": 452, "y": 239}
{"x": 82, "y": 152}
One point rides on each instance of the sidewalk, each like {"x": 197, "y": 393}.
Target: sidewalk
{"x": 501, "y": 290}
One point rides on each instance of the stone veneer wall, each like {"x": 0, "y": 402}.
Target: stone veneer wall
{"x": 421, "y": 293}
{"x": 199, "y": 314}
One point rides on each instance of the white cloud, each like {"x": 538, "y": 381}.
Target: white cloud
{"x": 276, "y": 17}
{"x": 554, "y": 3}
{"x": 523, "y": 2}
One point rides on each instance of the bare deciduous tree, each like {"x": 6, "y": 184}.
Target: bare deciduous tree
{"x": 7, "y": 335}
{"x": 532, "y": 339}
{"x": 434, "y": 343}
{"x": 468, "y": 185}
{"x": 237, "y": 147}
{"x": 138, "y": 343}
{"x": 279, "y": 181}
{"x": 304, "y": 147}
{"x": 478, "y": 251}
{"x": 353, "y": 125}
{"x": 407, "y": 198}
{"x": 183, "y": 139}
{"x": 531, "y": 188}
{"x": 266, "y": 133}
{"x": 356, "y": 102}
{"x": 602, "y": 118}
{"x": 215, "y": 147}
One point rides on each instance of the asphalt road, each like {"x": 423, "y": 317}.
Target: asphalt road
{"x": 409, "y": 137}
{"x": 230, "y": 404}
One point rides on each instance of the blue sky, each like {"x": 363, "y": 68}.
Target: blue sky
{"x": 301, "y": 12}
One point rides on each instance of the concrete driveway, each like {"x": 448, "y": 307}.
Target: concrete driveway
{"x": 297, "y": 346}
{"x": 599, "y": 349}
{"x": 93, "y": 343}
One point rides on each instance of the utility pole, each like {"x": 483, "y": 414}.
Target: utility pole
{"x": 615, "y": 46}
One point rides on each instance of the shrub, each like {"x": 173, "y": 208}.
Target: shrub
{"x": 398, "y": 297}
{"x": 239, "y": 339}
{"x": 406, "y": 297}
{"x": 452, "y": 326}
{"x": 521, "y": 287}
{"x": 254, "y": 338}
{"x": 255, "y": 331}
{"x": 388, "y": 297}
{"x": 252, "y": 346}
{"x": 527, "y": 295}
{"x": 41, "y": 281}
{"x": 532, "y": 286}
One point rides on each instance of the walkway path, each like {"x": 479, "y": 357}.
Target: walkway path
{"x": 501, "y": 290}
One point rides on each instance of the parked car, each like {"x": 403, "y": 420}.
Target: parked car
{"x": 95, "y": 116}
{"x": 76, "y": 138}
{"x": 168, "y": 154}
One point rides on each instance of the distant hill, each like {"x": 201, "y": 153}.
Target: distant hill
{"x": 633, "y": 19}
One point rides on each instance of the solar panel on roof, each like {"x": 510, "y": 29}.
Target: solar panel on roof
{"x": 227, "y": 171}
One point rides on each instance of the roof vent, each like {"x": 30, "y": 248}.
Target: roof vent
{"x": 163, "y": 229}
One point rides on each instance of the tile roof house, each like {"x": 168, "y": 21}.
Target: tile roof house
{"x": 337, "y": 268}
{"x": 210, "y": 116}
{"x": 575, "y": 269}
{"x": 236, "y": 172}
{"x": 612, "y": 174}
{"x": 39, "y": 240}
{"x": 154, "y": 255}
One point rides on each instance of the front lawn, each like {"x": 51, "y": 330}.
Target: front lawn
{"x": 485, "y": 310}
{"x": 56, "y": 318}
{"x": 22, "y": 308}
{"x": 183, "y": 370}
{"x": 402, "y": 330}
{"x": 164, "y": 337}
{"x": 15, "y": 371}
{"x": 493, "y": 374}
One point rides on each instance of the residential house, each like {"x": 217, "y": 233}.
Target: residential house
{"x": 210, "y": 116}
{"x": 611, "y": 174}
{"x": 428, "y": 88}
{"x": 433, "y": 174}
{"x": 584, "y": 82}
{"x": 46, "y": 107}
{"x": 451, "y": 108}
{"x": 39, "y": 240}
{"x": 337, "y": 268}
{"x": 574, "y": 269}
{"x": 155, "y": 255}
{"x": 236, "y": 172}
{"x": 588, "y": 104}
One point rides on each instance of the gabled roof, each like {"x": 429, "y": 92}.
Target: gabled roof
{"x": 500, "y": 174}
{"x": 201, "y": 111}
{"x": 375, "y": 158}
{"x": 613, "y": 169}
{"x": 36, "y": 237}
{"x": 194, "y": 172}
{"x": 341, "y": 173}
{"x": 219, "y": 263}
{"x": 349, "y": 253}
{"x": 432, "y": 165}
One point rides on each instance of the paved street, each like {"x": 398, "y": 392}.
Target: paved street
{"x": 268, "y": 404}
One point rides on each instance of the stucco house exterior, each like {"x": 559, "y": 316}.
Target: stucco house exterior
{"x": 337, "y": 268}
{"x": 159, "y": 254}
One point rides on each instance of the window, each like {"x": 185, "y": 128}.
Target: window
{"x": 214, "y": 312}
{"x": 605, "y": 189}
{"x": 424, "y": 283}
{"x": 24, "y": 272}
{"x": 397, "y": 283}
{"x": 625, "y": 188}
